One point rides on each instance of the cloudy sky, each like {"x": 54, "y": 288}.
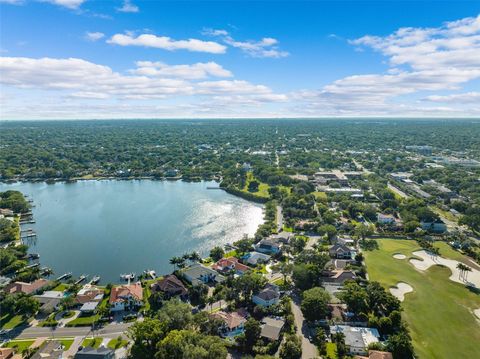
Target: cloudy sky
{"x": 67, "y": 59}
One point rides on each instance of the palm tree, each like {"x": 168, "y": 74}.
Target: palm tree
{"x": 210, "y": 301}
{"x": 466, "y": 270}
{"x": 460, "y": 267}
{"x": 194, "y": 257}
{"x": 175, "y": 261}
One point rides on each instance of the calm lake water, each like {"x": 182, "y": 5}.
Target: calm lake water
{"x": 113, "y": 227}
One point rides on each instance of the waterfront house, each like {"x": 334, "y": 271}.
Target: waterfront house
{"x": 126, "y": 297}
{"x": 89, "y": 293}
{"x": 6, "y": 212}
{"x": 89, "y": 307}
{"x": 340, "y": 251}
{"x": 198, "y": 274}
{"x": 95, "y": 353}
{"x": 437, "y": 226}
{"x": 268, "y": 246}
{"x": 171, "y": 286}
{"x": 271, "y": 328}
{"x": 268, "y": 296}
{"x": 26, "y": 288}
{"x": 232, "y": 322}
{"x": 254, "y": 258}
{"x": 230, "y": 264}
{"x": 357, "y": 339}
{"x": 338, "y": 277}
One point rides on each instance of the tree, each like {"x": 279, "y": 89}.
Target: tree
{"x": 285, "y": 269}
{"x": 249, "y": 283}
{"x": 253, "y": 186}
{"x": 67, "y": 302}
{"x": 400, "y": 345}
{"x": 243, "y": 245}
{"x": 291, "y": 348}
{"x": 175, "y": 315}
{"x": 175, "y": 261}
{"x": 251, "y": 334}
{"x": 145, "y": 336}
{"x": 320, "y": 341}
{"x": 355, "y": 297}
{"x": 190, "y": 344}
{"x": 339, "y": 339}
{"x": 217, "y": 253}
{"x": 303, "y": 276}
{"x": 329, "y": 230}
{"x": 363, "y": 231}
{"x": 27, "y": 306}
{"x": 315, "y": 304}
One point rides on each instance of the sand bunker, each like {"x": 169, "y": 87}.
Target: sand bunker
{"x": 399, "y": 256}
{"x": 472, "y": 278}
{"x": 477, "y": 313}
{"x": 400, "y": 290}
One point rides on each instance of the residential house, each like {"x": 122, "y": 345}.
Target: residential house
{"x": 199, "y": 274}
{"x": 268, "y": 246}
{"x": 51, "y": 349}
{"x": 385, "y": 218}
{"x": 26, "y": 288}
{"x": 95, "y": 353}
{"x": 233, "y": 322}
{"x": 171, "y": 286}
{"x": 254, "y": 258}
{"x": 282, "y": 237}
{"x": 268, "y": 296}
{"x": 376, "y": 354}
{"x": 89, "y": 307}
{"x": 6, "y": 353}
{"x": 357, "y": 339}
{"x": 271, "y": 328}
{"x": 230, "y": 264}
{"x": 338, "y": 277}
{"x": 437, "y": 226}
{"x": 89, "y": 293}
{"x": 6, "y": 212}
{"x": 126, "y": 297}
{"x": 49, "y": 301}
{"x": 340, "y": 251}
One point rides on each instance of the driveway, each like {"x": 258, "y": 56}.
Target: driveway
{"x": 309, "y": 350}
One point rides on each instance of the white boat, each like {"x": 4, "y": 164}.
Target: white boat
{"x": 129, "y": 276}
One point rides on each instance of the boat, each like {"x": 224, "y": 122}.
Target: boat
{"x": 32, "y": 256}
{"x": 95, "y": 279}
{"x": 129, "y": 276}
{"x": 150, "y": 273}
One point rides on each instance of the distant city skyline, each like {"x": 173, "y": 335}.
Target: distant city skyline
{"x": 77, "y": 59}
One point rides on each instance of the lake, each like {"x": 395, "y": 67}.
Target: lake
{"x": 111, "y": 227}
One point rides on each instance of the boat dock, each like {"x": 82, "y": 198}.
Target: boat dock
{"x": 81, "y": 279}
{"x": 65, "y": 276}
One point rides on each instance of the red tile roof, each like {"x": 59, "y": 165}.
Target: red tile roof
{"x": 27, "y": 288}
{"x": 230, "y": 262}
{"x": 170, "y": 284}
{"x": 134, "y": 290}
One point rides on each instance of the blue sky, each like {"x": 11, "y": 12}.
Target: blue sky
{"x": 134, "y": 59}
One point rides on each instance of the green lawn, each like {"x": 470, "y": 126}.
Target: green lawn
{"x": 332, "y": 351}
{"x": 67, "y": 343}
{"x": 115, "y": 343}
{"x": 20, "y": 345}
{"x": 92, "y": 342}
{"x": 61, "y": 287}
{"x": 439, "y": 311}
{"x": 320, "y": 195}
{"x": 262, "y": 188}
{"x": 83, "y": 321}
{"x": 11, "y": 321}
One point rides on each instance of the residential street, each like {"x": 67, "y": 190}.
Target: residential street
{"x": 110, "y": 330}
{"x": 309, "y": 350}
{"x": 279, "y": 219}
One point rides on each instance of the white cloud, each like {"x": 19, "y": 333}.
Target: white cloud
{"x": 462, "y": 98}
{"x": 70, "y": 4}
{"x": 166, "y": 43}
{"x": 94, "y": 36}
{"x": 266, "y": 47}
{"x": 149, "y": 80}
{"x": 12, "y": 2}
{"x": 192, "y": 72}
{"x": 421, "y": 60}
{"x": 128, "y": 6}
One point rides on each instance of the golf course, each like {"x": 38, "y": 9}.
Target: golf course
{"x": 439, "y": 311}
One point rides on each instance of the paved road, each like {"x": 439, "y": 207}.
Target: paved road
{"x": 397, "y": 191}
{"x": 279, "y": 219}
{"x": 309, "y": 350}
{"x": 110, "y": 330}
